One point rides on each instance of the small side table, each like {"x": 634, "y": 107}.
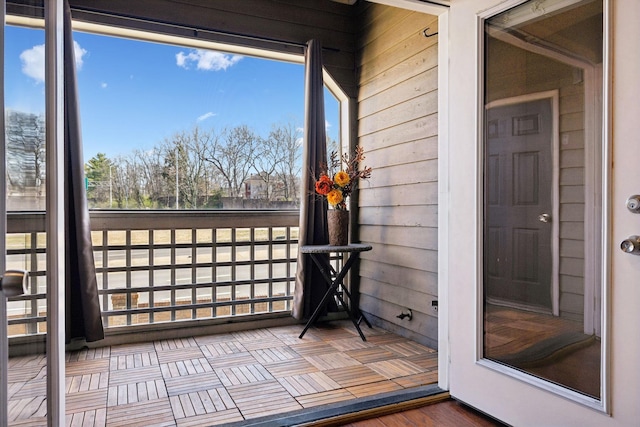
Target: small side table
{"x": 335, "y": 280}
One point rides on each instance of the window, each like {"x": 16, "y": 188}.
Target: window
{"x": 165, "y": 126}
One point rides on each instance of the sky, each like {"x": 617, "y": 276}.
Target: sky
{"x": 134, "y": 95}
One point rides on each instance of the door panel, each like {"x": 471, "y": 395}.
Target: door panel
{"x": 33, "y": 351}
{"x": 526, "y": 395}
{"x": 23, "y": 247}
{"x": 518, "y": 190}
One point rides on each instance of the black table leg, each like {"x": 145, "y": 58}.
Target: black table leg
{"x": 316, "y": 313}
{"x": 333, "y": 290}
{"x": 356, "y": 309}
{"x": 351, "y": 316}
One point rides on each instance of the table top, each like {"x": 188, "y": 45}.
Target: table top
{"x": 325, "y": 249}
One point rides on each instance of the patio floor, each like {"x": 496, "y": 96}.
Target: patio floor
{"x": 221, "y": 379}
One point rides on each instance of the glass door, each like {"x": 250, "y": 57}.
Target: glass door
{"x": 541, "y": 310}
{"x": 541, "y": 179}
{"x": 22, "y": 323}
{"x": 31, "y": 328}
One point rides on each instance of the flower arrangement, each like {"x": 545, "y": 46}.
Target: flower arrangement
{"x": 340, "y": 178}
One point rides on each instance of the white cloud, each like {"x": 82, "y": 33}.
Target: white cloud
{"x": 206, "y": 116}
{"x": 33, "y": 61}
{"x": 79, "y": 52}
{"x": 207, "y": 60}
{"x": 103, "y": 85}
{"x": 327, "y": 125}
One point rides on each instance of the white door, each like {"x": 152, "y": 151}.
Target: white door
{"x": 578, "y": 365}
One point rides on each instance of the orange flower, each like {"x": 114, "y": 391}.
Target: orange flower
{"x": 324, "y": 185}
{"x": 341, "y": 178}
{"x": 345, "y": 181}
{"x": 334, "y": 197}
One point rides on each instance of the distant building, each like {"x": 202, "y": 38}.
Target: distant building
{"x": 255, "y": 187}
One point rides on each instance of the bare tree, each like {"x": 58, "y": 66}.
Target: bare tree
{"x": 120, "y": 186}
{"x": 186, "y": 166}
{"x": 194, "y": 168}
{"x": 139, "y": 194}
{"x": 286, "y": 140}
{"x": 150, "y": 164}
{"x": 233, "y": 156}
{"x": 26, "y": 148}
{"x": 265, "y": 164}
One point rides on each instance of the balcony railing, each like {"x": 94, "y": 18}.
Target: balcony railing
{"x": 162, "y": 266}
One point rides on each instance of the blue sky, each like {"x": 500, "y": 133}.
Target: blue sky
{"x": 135, "y": 94}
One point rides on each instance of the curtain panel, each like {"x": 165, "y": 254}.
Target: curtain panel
{"x": 83, "y": 314}
{"x": 310, "y": 286}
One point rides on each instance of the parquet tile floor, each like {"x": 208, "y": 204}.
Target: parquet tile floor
{"x": 219, "y": 379}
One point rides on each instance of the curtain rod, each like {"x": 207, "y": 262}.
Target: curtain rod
{"x": 195, "y": 32}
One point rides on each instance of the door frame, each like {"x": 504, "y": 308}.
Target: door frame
{"x": 554, "y": 97}
{"x": 55, "y": 221}
{"x": 441, "y": 9}
{"x": 4, "y": 341}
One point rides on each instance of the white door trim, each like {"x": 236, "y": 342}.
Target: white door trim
{"x": 444, "y": 171}
{"x": 54, "y": 116}
{"x": 445, "y": 168}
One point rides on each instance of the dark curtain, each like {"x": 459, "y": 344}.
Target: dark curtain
{"x": 310, "y": 286}
{"x": 83, "y": 316}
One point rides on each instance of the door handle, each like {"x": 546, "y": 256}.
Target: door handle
{"x": 14, "y": 283}
{"x": 544, "y": 217}
{"x": 631, "y": 245}
{"x": 633, "y": 204}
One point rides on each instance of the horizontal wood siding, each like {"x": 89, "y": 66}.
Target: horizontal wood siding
{"x": 292, "y": 21}
{"x": 397, "y": 74}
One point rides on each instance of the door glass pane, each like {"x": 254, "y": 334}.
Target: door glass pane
{"x": 25, "y": 179}
{"x": 543, "y": 64}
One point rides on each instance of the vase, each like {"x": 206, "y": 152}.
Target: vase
{"x": 338, "y": 223}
